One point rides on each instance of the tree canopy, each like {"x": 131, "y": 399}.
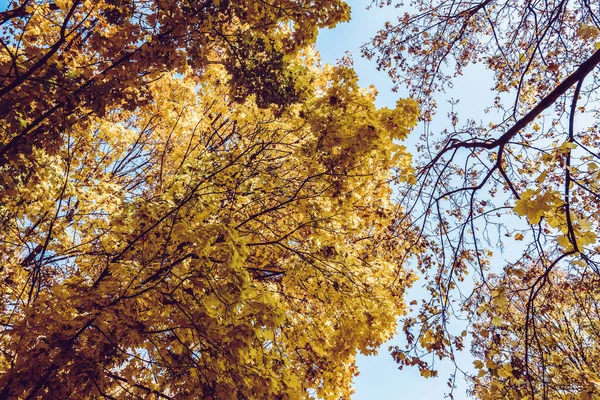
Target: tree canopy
{"x": 192, "y": 205}
{"x": 64, "y": 62}
{"x": 521, "y": 174}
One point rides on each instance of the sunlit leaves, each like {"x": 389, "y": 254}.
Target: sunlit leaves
{"x": 197, "y": 247}
{"x": 63, "y": 63}
{"x": 534, "y": 205}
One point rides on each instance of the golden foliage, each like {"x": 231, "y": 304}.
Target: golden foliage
{"x": 190, "y": 246}
{"x": 63, "y": 63}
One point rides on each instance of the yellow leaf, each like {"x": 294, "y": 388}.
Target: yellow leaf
{"x": 519, "y": 236}
{"x": 587, "y": 32}
{"x": 579, "y": 263}
{"x": 586, "y": 238}
{"x": 534, "y": 206}
{"x": 542, "y": 177}
{"x": 567, "y": 145}
{"x": 563, "y": 240}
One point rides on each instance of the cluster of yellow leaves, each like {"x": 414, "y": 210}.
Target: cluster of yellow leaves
{"x": 534, "y": 204}
{"x": 564, "y": 361}
{"x": 589, "y": 32}
{"x": 194, "y": 247}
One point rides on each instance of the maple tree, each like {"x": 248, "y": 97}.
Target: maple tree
{"x": 175, "y": 224}
{"x": 63, "y": 62}
{"x": 519, "y": 174}
{"x": 562, "y": 358}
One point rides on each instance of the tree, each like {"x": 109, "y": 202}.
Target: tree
{"x": 66, "y": 62}
{"x": 200, "y": 246}
{"x": 564, "y": 351}
{"x": 534, "y": 157}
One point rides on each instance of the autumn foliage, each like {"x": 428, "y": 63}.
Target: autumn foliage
{"x": 192, "y": 206}
{"x": 507, "y": 194}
